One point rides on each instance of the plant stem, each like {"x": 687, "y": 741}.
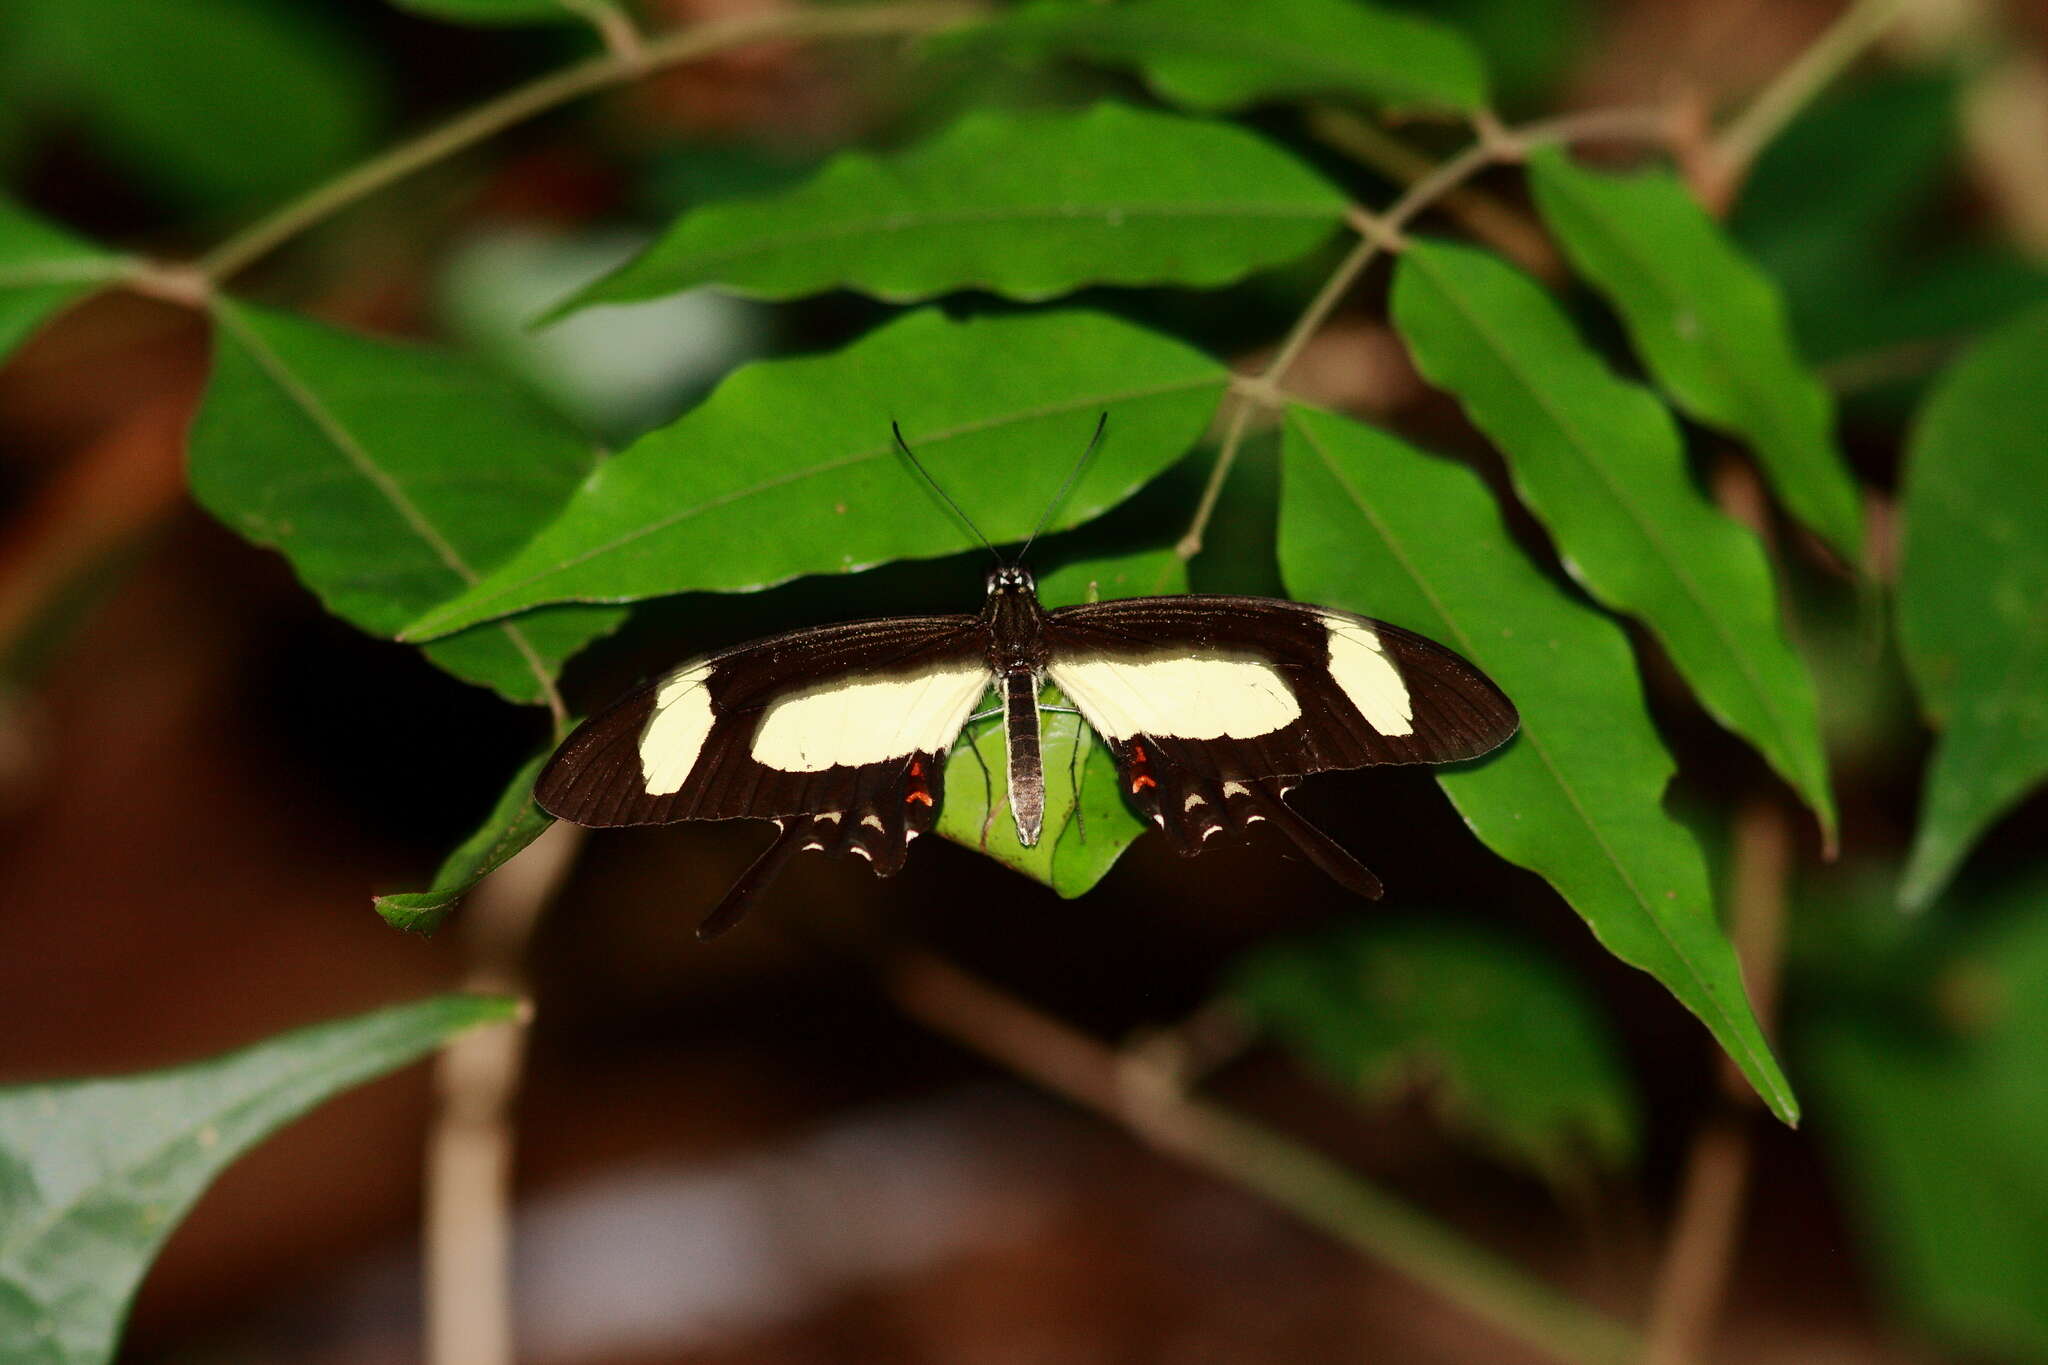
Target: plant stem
{"x": 616, "y": 66}
{"x": 1793, "y": 88}
{"x": 1383, "y": 231}
{"x": 1707, "y": 1224}
{"x": 468, "y": 1217}
{"x": 1490, "y": 219}
{"x": 1207, "y": 1135}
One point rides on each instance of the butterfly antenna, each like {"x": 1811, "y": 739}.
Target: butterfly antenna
{"x": 1101, "y": 425}
{"x": 944, "y": 496}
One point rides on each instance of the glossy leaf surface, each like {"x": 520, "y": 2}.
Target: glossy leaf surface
{"x": 1601, "y": 462}
{"x": 95, "y": 1174}
{"x": 1373, "y": 525}
{"x": 391, "y": 477}
{"x": 1710, "y": 326}
{"x": 1026, "y": 205}
{"x": 788, "y": 468}
{"x": 1973, "y": 592}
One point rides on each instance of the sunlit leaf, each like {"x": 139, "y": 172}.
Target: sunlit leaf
{"x": 42, "y": 270}
{"x": 1087, "y": 823}
{"x": 1932, "y": 1105}
{"x": 1372, "y": 525}
{"x": 788, "y": 467}
{"x": 1220, "y": 54}
{"x": 219, "y": 101}
{"x": 1600, "y": 460}
{"x": 391, "y": 477}
{"x": 95, "y": 1174}
{"x": 1026, "y": 205}
{"x": 1710, "y": 326}
{"x": 512, "y": 824}
{"x": 1973, "y": 592}
{"x": 1505, "y": 1044}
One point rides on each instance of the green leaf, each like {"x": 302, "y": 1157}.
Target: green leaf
{"x": 1072, "y": 854}
{"x": 1973, "y": 592}
{"x": 1933, "y": 1107}
{"x": 43, "y": 270}
{"x": 512, "y": 824}
{"x": 1529, "y": 46}
{"x": 221, "y": 101}
{"x": 391, "y": 477}
{"x": 1508, "y": 1047}
{"x": 1215, "y": 55}
{"x": 1025, "y": 205}
{"x": 94, "y": 1174}
{"x": 1711, "y": 327}
{"x": 505, "y": 11}
{"x": 789, "y": 469}
{"x": 1373, "y": 525}
{"x": 1601, "y": 462}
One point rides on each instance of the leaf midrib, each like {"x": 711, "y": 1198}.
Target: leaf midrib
{"x": 428, "y": 628}
{"x": 1330, "y": 212}
{"x": 1755, "y": 401}
{"x": 1577, "y": 441}
{"x": 358, "y": 456}
{"x": 1761, "y": 1066}
{"x": 76, "y": 270}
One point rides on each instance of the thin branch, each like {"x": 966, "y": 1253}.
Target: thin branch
{"x": 1205, "y": 1134}
{"x": 468, "y": 1219}
{"x": 614, "y": 67}
{"x": 616, "y": 29}
{"x": 1792, "y": 89}
{"x": 1707, "y": 1224}
{"x": 1487, "y": 217}
{"x": 1494, "y": 146}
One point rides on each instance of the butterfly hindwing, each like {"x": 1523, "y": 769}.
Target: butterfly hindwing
{"x": 1190, "y": 810}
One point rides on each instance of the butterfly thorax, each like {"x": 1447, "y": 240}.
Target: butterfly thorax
{"x": 1015, "y": 622}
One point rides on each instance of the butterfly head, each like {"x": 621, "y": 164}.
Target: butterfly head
{"x": 1011, "y": 578}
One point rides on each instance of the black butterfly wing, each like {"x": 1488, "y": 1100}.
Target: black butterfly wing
{"x": 838, "y": 734}
{"x": 1210, "y": 704}
{"x": 1243, "y": 687}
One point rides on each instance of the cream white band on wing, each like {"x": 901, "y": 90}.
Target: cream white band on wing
{"x": 1361, "y": 668}
{"x": 1185, "y": 696}
{"x": 675, "y": 733}
{"x": 869, "y": 719}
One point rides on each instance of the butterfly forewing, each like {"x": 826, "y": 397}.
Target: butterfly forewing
{"x": 844, "y": 724}
{"x": 1252, "y": 687}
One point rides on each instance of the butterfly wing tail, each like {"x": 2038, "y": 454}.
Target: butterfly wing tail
{"x": 1264, "y": 800}
{"x": 791, "y": 836}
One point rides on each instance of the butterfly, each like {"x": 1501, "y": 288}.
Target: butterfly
{"x": 1212, "y": 707}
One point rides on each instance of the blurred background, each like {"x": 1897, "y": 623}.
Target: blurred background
{"x": 745, "y": 1151}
